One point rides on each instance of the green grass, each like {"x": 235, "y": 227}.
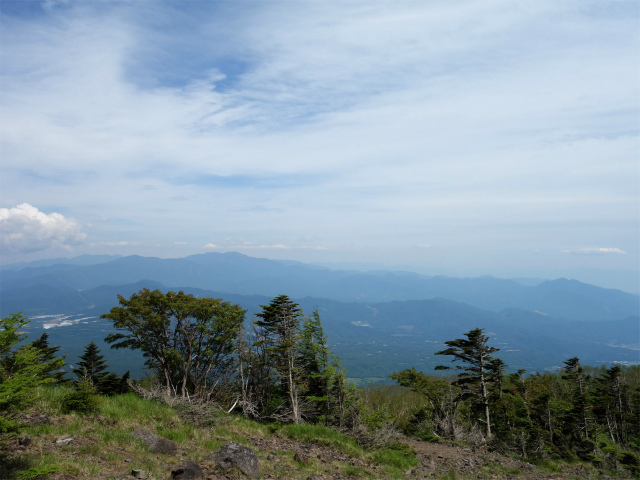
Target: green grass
{"x": 395, "y": 462}
{"x": 354, "y": 471}
{"x": 395, "y": 459}
{"x": 40, "y": 471}
{"x": 179, "y": 434}
{"x": 321, "y": 435}
{"x": 103, "y": 436}
{"x": 131, "y": 410}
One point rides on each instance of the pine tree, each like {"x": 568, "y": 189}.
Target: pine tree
{"x": 279, "y": 333}
{"x": 575, "y": 375}
{"x": 47, "y": 354}
{"x": 22, "y": 369}
{"x": 92, "y": 365}
{"x": 314, "y": 361}
{"x": 474, "y": 378}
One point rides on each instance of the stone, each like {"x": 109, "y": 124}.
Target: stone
{"x": 139, "y": 474}
{"x": 156, "y": 443}
{"x": 187, "y": 470}
{"x": 37, "y": 419}
{"x": 64, "y": 441}
{"x": 233, "y": 454}
{"x": 301, "y": 458}
{"x": 24, "y": 440}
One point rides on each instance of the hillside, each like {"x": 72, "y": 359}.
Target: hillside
{"x": 71, "y": 446}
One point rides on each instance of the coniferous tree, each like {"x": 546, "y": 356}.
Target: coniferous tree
{"x": 22, "y": 369}
{"x": 47, "y": 354}
{"x": 578, "y": 419}
{"x": 314, "y": 356}
{"x": 114, "y": 384}
{"x": 476, "y": 357}
{"x": 92, "y": 365}
{"x": 279, "y": 332}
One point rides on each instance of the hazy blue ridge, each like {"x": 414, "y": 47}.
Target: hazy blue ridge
{"x": 79, "y": 260}
{"x": 373, "y": 339}
{"x": 239, "y": 274}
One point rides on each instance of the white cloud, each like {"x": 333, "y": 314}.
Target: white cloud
{"x": 25, "y": 229}
{"x": 597, "y": 251}
{"x": 114, "y": 244}
{"x": 244, "y": 245}
{"x": 482, "y": 125}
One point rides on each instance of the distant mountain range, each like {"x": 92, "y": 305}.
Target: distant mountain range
{"x": 378, "y": 322}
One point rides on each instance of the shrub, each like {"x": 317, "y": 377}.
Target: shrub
{"x": 83, "y": 400}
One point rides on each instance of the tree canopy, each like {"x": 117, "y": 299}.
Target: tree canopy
{"x": 477, "y": 363}
{"x": 189, "y": 341}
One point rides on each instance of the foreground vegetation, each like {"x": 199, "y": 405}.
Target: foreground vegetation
{"x": 103, "y": 446}
{"x": 212, "y": 382}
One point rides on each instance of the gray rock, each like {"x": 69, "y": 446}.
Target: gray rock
{"x": 233, "y": 454}
{"x": 37, "y": 419}
{"x": 156, "y": 443}
{"x": 24, "y": 440}
{"x": 187, "y": 470}
{"x": 64, "y": 441}
{"x": 139, "y": 474}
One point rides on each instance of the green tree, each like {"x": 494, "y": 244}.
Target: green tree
{"x": 579, "y": 418}
{"x": 47, "y": 355}
{"x": 475, "y": 371}
{"x": 114, "y": 384}
{"x": 314, "y": 359}
{"x": 92, "y": 365}
{"x": 278, "y": 333}
{"x": 22, "y": 369}
{"x": 189, "y": 341}
{"x": 441, "y": 405}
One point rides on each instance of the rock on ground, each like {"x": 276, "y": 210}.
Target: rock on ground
{"x": 233, "y": 454}
{"x": 156, "y": 443}
{"x": 187, "y": 470}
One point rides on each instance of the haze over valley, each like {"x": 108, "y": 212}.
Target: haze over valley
{"x": 377, "y": 322}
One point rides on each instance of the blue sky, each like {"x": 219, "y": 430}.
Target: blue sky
{"x": 452, "y": 137}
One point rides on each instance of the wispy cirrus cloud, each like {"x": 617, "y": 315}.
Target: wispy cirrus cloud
{"x": 366, "y": 125}
{"x": 596, "y": 251}
{"x": 245, "y": 245}
{"x": 122, "y": 243}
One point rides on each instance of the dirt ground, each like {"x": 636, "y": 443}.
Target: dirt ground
{"x": 438, "y": 460}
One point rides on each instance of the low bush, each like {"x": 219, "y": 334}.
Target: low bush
{"x": 83, "y": 400}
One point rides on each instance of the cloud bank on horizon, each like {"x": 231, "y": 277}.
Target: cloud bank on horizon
{"x": 451, "y": 135}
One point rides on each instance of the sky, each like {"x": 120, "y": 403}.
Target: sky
{"x": 448, "y": 137}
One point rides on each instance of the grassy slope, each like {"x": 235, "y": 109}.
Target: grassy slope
{"x": 103, "y": 447}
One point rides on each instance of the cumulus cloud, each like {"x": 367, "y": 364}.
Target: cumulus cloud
{"x": 596, "y": 251}
{"x": 25, "y": 229}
